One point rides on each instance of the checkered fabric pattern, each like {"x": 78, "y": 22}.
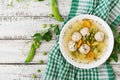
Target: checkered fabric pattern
{"x": 58, "y": 68}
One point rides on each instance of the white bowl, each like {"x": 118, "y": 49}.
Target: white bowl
{"x": 109, "y": 47}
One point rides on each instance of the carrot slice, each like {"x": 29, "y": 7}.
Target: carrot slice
{"x": 86, "y": 23}
{"x": 79, "y": 43}
{"x": 90, "y": 56}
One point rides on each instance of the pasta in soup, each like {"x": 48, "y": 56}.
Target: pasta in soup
{"x": 85, "y": 41}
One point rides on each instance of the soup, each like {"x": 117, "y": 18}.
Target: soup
{"x": 85, "y": 41}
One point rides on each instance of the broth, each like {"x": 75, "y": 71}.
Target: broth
{"x": 96, "y": 51}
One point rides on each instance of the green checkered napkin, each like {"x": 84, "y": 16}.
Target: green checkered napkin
{"x": 59, "y": 69}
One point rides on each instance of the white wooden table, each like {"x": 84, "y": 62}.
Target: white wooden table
{"x": 17, "y": 25}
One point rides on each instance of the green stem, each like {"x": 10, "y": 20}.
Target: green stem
{"x": 55, "y": 11}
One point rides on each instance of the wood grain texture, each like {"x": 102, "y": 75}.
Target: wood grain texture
{"x": 24, "y": 72}
{"x": 32, "y": 8}
{"x": 17, "y": 25}
{"x": 23, "y": 27}
{"x": 116, "y": 69}
{"x": 16, "y": 51}
{"x": 21, "y": 72}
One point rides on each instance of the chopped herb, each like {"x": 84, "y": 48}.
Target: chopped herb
{"x": 44, "y": 25}
{"x": 40, "y": 61}
{"x": 38, "y": 70}
{"x": 33, "y": 76}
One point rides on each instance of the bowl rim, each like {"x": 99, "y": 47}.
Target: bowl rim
{"x": 110, "y": 41}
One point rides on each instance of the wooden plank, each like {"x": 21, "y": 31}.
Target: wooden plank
{"x": 15, "y": 51}
{"x": 23, "y": 27}
{"x": 116, "y": 69}
{"x": 21, "y": 72}
{"x": 32, "y": 8}
{"x": 24, "y": 72}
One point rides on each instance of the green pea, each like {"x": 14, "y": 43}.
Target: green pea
{"x": 92, "y": 35}
{"x": 40, "y": 61}
{"x": 93, "y": 32}
{"x": 33, "y": 76}
{"x": 87, "y": 37}
{"x": 44, "y": 53}
{"x": 90, "y": 38}
{"x": 51, "y": 15}
{"x": 44, "y": 25}
{"x": 92, "y": 41}
{"x": 38, "y": 70}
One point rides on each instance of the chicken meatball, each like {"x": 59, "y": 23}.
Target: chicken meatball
{"x": 99, "y": 36}
{"x": 84, "y": 49}
{"x": 76, "y": 36}
{"x": 72, "y": 46}
{"x": 85, "y": 32}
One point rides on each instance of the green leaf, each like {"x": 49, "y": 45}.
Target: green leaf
{"x": 114, "y": 56}
{"x": 56, "y": 30}
{"x": 37, "y": 37}
{"x": 114, "y": 29}
{"x": 118, "y": 39}
{"x": 50, "y": 25}
{"x": 116, "y": 47}
{"x": 47, "y": 36}
{"x": 44, "y": 32}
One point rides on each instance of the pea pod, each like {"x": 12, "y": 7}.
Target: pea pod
{"x": 31, "y": 53}
{"x": 55, "y": 11}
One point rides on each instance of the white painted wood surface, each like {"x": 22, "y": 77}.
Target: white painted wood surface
{"x": 17, "y": 25}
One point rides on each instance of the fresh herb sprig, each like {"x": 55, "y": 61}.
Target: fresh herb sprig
{"x": 116, "y": 49}
{"x": 37, "y": 39}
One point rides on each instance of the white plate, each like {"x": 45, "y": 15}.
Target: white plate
{"x": 106, "y": 54}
